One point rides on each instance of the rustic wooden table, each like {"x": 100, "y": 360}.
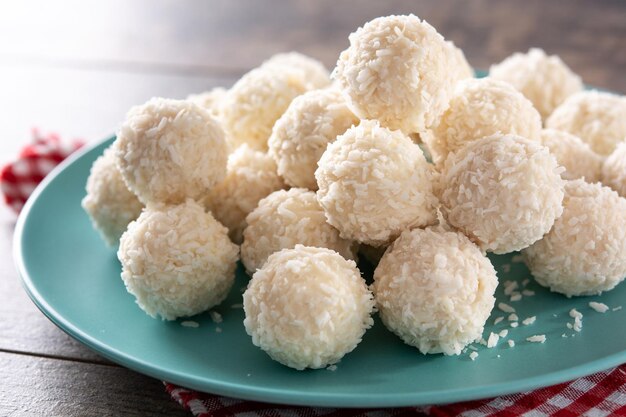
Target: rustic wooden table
{"x": 76, "y": 68}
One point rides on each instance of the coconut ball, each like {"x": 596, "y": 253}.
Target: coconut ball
{"x": 251, "y": 176}
{"x": 300, "y": 136}
{"x": 109, "y": 202}
{"x": 281, "y": 221}
{"x": 503, "y": 191}
{"x": 459, "y": 62}
{"x": 545, "y": 80}
{"x": 170, "y": 150}
{"x": 307, "y": 307}
{"x": 259, "y": 98}
{"x": 211, "y": 100}
{"x": 435, "y": 289}
{"x": 598, "y": 118}
{"x": 585, "y": 252}
{"x": 397, "y": 70}
{"x": 478, "y": 108}
{"x": 374, "y": 183}
{"x": 573, "y": 154}
{"x": 614, "y": 170}
{"x": 313, "y": 69}
{"x": 177, "y": 260}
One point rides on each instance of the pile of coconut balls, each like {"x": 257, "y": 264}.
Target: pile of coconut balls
{"x": 400, "y": 154}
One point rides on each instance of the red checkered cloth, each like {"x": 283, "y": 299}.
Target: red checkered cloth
{"x": 598, "y": 395}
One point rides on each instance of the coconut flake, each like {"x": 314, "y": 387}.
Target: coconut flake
{"x": 540, "y": 338}
{"x": 599, "y": 307}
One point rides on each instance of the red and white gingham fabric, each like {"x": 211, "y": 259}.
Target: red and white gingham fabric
{"x": 599, "y": 395}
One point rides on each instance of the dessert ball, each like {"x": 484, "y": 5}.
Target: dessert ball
{"x": 459, "y": 62}
{"x": 281, "y": 221}
{"x": 259, "y": 98}
{"x": 251, "y": 175}
{"x": 307, "y": 307}
{"x": 397, "y": 70}
{"x": 109, "y": 202}
{"x": 211, "y": 100}
{"x": 545, "y": 80}
{"x": 503, "y": 191}
{"x": 313, "y": 69}
{"x": 614, "y": 170}
{"x": 374, "y": 183}
{"x": 300, "y": 136}
{"x": 598, "y": 118}
{"x": 170, "y": 150}
{"x": 435, "y": 289}
{"x": 479, "y": 108}
{"x": 584, "y": 253}
{"x": 573, "y": 154}
{"x": 177, "y": 260}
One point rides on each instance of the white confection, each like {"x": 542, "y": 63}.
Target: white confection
{"x": 300, "y": 136}
{"x": 598, "y": 118}
{"x": 573, "y": 154}
{"x": 585, "y": 252}
{"x": 435, "y": 289}
{"x": 614, "y": 170}
{"x": 170, "y": 150}
{"x": 259, "y": 98}
{"x": 479, "y": 108}
{"x": 177, "y": 260}
{"x": 307, "y": 307}
{"x": 281, "y": 221}
{"x": 502, "y": 191}
{"x": 109, "y": 202}
{"x": 459, "y": 63}
{"x": 250, "y": 176}
{"x": 211, "y": 100}
{"x": 397, "y": 70}
{"x": 545, "y": 80}
{"x": 374, "y": 183}
{"x": 313, "y": 69}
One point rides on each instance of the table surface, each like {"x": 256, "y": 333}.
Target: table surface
{"x": 76, "y": 70}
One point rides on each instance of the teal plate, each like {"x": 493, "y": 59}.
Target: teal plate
{"x": 75, "y": 281}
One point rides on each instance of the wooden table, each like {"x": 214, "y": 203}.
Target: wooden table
{"x": 76, "y": 69}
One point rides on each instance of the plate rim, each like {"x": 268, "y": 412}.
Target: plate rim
{"x": 260, "y": 393}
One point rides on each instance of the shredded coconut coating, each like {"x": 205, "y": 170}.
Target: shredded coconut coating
{"x": 598, "y": 118}
{"x": 614, "y": 170}
{"x": 459, "y": 62}
{"x": 300, "y": 136}
{"x": 479, "y": 108}
{"x": 284, "y": 219}
{"x": 177, "y": 260}
{"x": 313, "y": 69}
{"x": 259, "y": 98}
{"x": 585, "y": 252}
{"x": 573, "y": 154}
{"x": 307, "y": 307}
{"x": 211, "y": 100}
{"x": 503, "y": 191}
{"x": 435, "y": 289}
{"x": 374, "y": 183}
{"x": 544, "y": 79}
{"x": 109, "y": 202}
{"x": 170, "y": 150}
{"x": 397, "y": 70}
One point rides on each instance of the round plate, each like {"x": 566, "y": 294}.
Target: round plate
{"x": 75, "y": 280}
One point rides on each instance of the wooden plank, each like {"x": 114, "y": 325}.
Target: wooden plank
{"x": 35, "y": 386}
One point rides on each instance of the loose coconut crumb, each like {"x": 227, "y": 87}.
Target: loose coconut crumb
{"x": 506, "y": 268}
{"x": 332, "y": 368}
{"x": 510, "y": 287}
{"x": 540, "y": 338}
{"x": 506, "y": 308}
{"x": 617, "y": 308}
{"x": 511, "y": 343}
{"x": 516, "y": 259}
{"x": 471, "y": 347}
{"x": 529, "y": 320}
{"x": 498, "y": 320}
{"x": 482, "y": 341}
{"x": 493, "y": 340}
{"x": 473, "y": 355}
{"x": 599, "y": 307}
{"x": 516, "y": 297}
{"x": 216, "y": 317}
{"x": 528, "y": 293}
{"x": 513, "y": 317}
{"x": 514, "y": 324}
{"x": 577, "y": 316}
{"x": 504, "y": 333}
{"x": 189, "y": 323}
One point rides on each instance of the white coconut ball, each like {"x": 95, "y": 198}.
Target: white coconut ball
{"x": 259, "y": 98}
{"x": 573, "y": 154}
{"x": 397, "y": 70}
{"x": 170, "y": 150}
{"x": 435, "y": 289}
{"x": 284, "y": 219}
{"x": 211, "y": 100}
{"x": 598, "y": 118}
{"x": 251, "y": 175}
{"x": 307, "y": 307}
{"x": 300, "y": 136}
{"x": 503, "y": 191}
{"x": 314, "y": 70}
{"x": 614, "y": 170}
{"x": 585, "y": 252}
{"x": 109, "y": 202}
{"x": 459, "y": 62}
{"x": 545, "y": 80}
{"x": 479, "y": 108}
{"x": 374, "y": 183}
{"x": 177, "y": 260}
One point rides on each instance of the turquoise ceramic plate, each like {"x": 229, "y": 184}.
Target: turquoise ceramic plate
{"x": 75, "y": 281}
